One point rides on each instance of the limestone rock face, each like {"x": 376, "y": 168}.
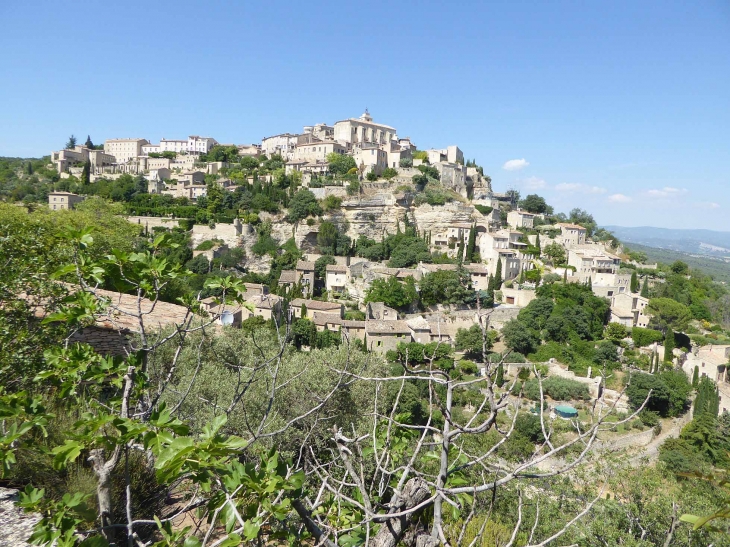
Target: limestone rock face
{"x": 373, "y": 215}
{"x": 436, "y": 219}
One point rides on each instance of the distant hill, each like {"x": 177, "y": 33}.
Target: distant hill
{"x": 717, "y": 267}
{"x": 700, "y": 242}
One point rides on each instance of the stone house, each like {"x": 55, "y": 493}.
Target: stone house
{"x": 318, "y": 151}
{"x": 336, "y": 278}
{"x": 504, "y": 245}
{"x": 267, "y": 306}
{"x": 370, "y": 158}
{"x": 520, "y": 219}
{"x": 453, "y": 176}
{"x": 383, "y": 336}
{"x": 334, "y": 309}
{"x": 420, "y": 330}
{"x": 628, "y": 310}
{"x": 282, "y": 144}
{"x": 711, "y": 361}
{"x": 517, "y": 296}
{"x": 63, "y": 200}
{"x": 571, "y": 234}
{"x": 305, "y": 275}
{"x": 256, "y": 289}
{"x": 378, "y": 311}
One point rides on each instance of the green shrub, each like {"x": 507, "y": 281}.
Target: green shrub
{"x": 559, "y": 389}
{"x": 468, "y": 367}
{"x": 645, "y": 337}
{"x": 484, "y": 209}
{"x": 206, "y": 245}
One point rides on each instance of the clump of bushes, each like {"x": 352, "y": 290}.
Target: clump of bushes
{"x": 559, "y": 389}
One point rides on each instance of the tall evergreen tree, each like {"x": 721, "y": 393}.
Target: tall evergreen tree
{"x": 565, "y": 275}
{"x": 29, "y": 168}
{"x": 88, "y": 143}
{"x": 537, "y": 243}
{"x": 86, "y": 173}
{"x": 634, "y": 282}
{"x": 645, "y": 287}
{"x": 708, "y": 398}
{"x": 696, "y": 377}
{"x": 669, "y": 345}
{"x": 304, "y": 311}
{"x": 472, "y": 244}
{"x": 71, "y": 142}
{"x": 497, "y": 282}
{"x": 499, "y": 380}
{"x": 460, "y": 250}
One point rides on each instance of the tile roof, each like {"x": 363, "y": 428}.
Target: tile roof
{"x": 264, "y": 302}
{"x": 304, "y": 265}
{"x": 387, "y": 327}
{"x": 288, "y": 276}
{"x": 336, "y": 268}
{"x": 315, "y": 304}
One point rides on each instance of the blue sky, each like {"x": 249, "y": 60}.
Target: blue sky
{"x": 621, "y": 108}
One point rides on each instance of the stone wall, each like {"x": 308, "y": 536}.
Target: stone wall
{"x": 152, "y": 222}
{"x": 229, "y": 233}
{"x": 104, "y": 341}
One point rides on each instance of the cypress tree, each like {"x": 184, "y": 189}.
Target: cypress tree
{"x": 460, "y": 250}
{"x": 669, "y": 345}
{"x": 29, "y": 169}
{"x": 88, "y": 143}
{"x": 645, "y": 288}
{"x": 634, "y": 282}
{"x": 304, "y": 311}
{"x": 472, "y": 244}
{"x": 522, "y": 277}
{"x": 537, "y": 243}
{"x": 565, "y": 275}
{"x": 498, "y": 276}
{"x": 86, "y": 173}
{"x": 696, "y": 377}
{"x": 499, "y": 380}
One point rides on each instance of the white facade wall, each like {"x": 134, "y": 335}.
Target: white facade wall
{"x": 318, "y": 151}
{"x": 124, "y": 149}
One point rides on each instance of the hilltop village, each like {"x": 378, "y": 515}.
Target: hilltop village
{"x": 372, "y": 240}
{"x": 344, "y": 282}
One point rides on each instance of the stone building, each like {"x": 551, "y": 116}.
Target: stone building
{"x": 363, "y": 130}
{"x": 124, "y": 150}
{"x": 336, "y": 278}
{"x": 334, "y": 309}
{"x": 450, "y": 154}
{"x": 63, "y": 200}
{"x": 383, "y": 336}
{"x": 317, "y": 151}
{"x": 520, "y": 219}
{"x": 628, "y": 310}
{"x": 370, "y": 158}
{"x": 98, "y": 160}
{"x": 571, "y": 234}
{"x": 283, "y": 145}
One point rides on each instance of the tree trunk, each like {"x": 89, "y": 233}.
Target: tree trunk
{"x": 103, "y": 492}
{"x": 406, "y": 528}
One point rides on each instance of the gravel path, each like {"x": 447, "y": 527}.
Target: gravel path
{"x": 15, "y": 525}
